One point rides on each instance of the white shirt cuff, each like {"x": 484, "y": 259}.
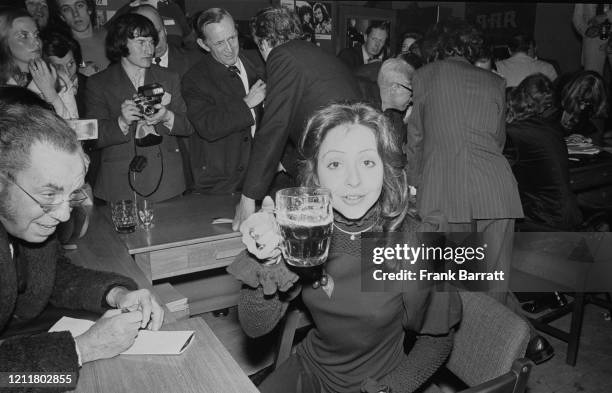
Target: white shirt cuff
{"x": 76, "y": 347}
{"x": 170, "y": 122}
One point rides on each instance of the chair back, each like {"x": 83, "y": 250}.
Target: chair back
{"x": 489, "y": 339}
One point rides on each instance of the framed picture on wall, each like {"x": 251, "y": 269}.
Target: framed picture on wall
{"x": 316, "y": 18}
{"x": 354, "y": 21}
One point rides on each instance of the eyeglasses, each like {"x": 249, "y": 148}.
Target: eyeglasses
{"x": 76, "y": 198}
{"x": 404, "y": 86}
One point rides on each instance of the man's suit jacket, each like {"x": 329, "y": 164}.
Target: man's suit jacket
{"x": 49, "y": 278}
{"x": 456, "y": 135}
{"x": 180, "y": 60}
{"x": 353, "y": 57}
{"x": 302, "y": 78}
{"x": 105, "y": 93}
{"x": 221, "y": 146}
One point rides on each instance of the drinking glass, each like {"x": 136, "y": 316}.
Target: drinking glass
{"x": 305, "y": 219}
{"x": 146, "y": 213}
{"x": 123, "y": 213}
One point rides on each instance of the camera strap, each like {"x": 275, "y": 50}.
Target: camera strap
{"x": 130, "y": 171}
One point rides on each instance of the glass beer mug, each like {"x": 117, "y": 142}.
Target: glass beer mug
{"x": 305, "y": 218}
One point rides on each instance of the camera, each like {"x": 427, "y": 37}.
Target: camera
{"x": 148, "y": 96}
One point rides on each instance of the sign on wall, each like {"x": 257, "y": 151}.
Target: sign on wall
{"x": 499, "y": 21}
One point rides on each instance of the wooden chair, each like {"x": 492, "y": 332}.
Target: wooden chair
{"x": 487, "y": 352}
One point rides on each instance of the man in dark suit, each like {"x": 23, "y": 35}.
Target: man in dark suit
{"x": 176, "y": 59}
{"x": 301, "y": 78}
{"x": 372, "y": 49}
{"x": 223, "y": 93}
{"x": 124, "y": 130}
{"x": 456, "y": 135}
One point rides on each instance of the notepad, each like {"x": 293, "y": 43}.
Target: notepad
{"x": 160, "y": 342}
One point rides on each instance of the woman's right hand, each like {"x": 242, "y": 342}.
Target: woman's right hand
{"x": 45, "y": 77}
{"x": 260, "y": 233}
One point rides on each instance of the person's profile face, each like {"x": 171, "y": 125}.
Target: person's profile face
{"x": 66, "y": 65}
{"x": 401, "y": 94}
{"x": 76, "y": 14}
{"x": 375, "y": 41}
{"x": 222, "y": 41}
{"x": 318, "y": 14}
{"x": 39, "y": 11}
{"x": 141, "y": 51}
{"x": 407, "y": 43}
{"x": 51, "y": 177}
{"x": 353, "y": 172}
{"x": 162, "y": 37}
{"x": 24, "y": 41}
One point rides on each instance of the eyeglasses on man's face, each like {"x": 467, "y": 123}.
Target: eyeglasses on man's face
{"x": 404, "y": 86}
{"x": 54, "y": 201}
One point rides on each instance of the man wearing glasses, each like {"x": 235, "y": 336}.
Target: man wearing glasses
{"x": 396, "y": 94}
{"x": 42, "y": 170}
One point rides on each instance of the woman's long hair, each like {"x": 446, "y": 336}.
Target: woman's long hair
{"x": 8, "y": 68}
{"x": 393, "y": 201}
{"x": 532, "y": 97}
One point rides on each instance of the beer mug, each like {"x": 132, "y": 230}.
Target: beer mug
{"x": 305, "y": 218}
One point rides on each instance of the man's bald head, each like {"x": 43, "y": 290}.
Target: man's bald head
{"x": 394, "y": 83}
{"x": 152, "y": 14}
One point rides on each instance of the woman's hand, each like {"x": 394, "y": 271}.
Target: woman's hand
{"x": 260, "y": 233}
{"x": 142, "y": 300}
{"x": 45, "y": 77}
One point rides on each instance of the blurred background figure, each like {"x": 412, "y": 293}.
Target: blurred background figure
{"x": 322, "y": 20}
{"x": 584, "y": 101}
{"x": 523, "y": 61}
{"x": 22, "y": 64}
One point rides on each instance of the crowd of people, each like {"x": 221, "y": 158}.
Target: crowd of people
{"x": 437, "y": 137}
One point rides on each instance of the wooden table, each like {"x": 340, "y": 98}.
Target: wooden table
{"x": 184, "y": 241}
{"x": 205, "y": 367}
{"x": 101, "y": 249}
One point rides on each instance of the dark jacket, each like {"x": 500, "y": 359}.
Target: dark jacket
{"x": 221, "y": 146}
{"x": 540, "y": 165}
{"x": 49, "y": 278}
{"x": 301, "y": 78}
{"x": 106, "y": 91}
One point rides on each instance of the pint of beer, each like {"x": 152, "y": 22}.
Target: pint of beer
{"x": 305, "y": 218}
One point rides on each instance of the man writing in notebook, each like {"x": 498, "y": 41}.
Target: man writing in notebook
{"x": 42, "y": 170}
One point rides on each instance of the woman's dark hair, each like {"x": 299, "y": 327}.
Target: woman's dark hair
{"x": 8, "y": 68}
{"x": 532, "y": 97}
{"x": 415, "y": 35}
{"x": 127, "y": 26}
{"x": 58, "y": 45}
{"x": 276, "y": 25}
{"x": 393, "y": 201}
{"x": 585, "y": 91}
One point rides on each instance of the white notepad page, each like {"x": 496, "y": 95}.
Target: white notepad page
{"x": 147, "y": 343}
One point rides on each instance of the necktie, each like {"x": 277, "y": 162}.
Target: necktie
{"x": 234, "y": 69}
{"x": 157, "y": 60}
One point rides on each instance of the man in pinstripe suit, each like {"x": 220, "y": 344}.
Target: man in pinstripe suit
{"x": 456, "y": 135}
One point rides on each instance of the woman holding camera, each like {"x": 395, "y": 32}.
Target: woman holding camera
{"x": 21, "y": 62}
{"x": 140, "y": 114}
{"x": 357, "y": 343}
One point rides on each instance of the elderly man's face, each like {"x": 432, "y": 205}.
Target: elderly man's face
{"x": 222, "y": 41}
{"x": 375, "y": 41}
{"x": 76, "y": 14}
{"x": 162, "y": 43}
{"x": 39, "y": 11}
{"x": 51, "y": 177}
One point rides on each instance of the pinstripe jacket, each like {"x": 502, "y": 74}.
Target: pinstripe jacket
{"x": 456, "y": 135}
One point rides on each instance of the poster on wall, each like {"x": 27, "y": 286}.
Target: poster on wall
{"x": 315, "y": 17}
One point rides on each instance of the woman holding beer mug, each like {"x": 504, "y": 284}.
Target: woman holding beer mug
{"x": 357, "y": 343}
